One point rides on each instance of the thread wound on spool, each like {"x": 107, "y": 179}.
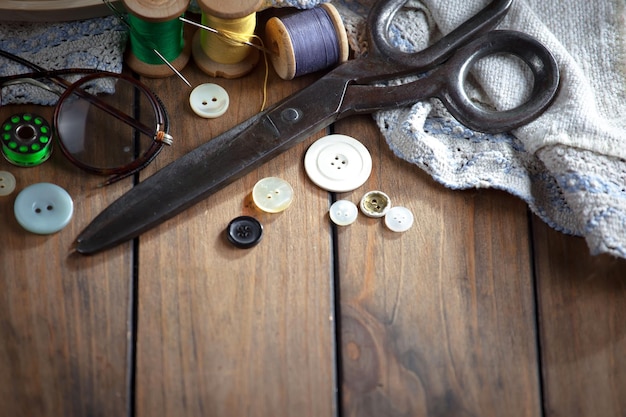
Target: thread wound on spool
{"x": 223, "y": 54}
{"x": 26, "y": 139}
{"x": 227, "y": 47}
{"x": 306, "y": 42}
{"x": 166, "y": 37}
{"x": 157, "y": 38}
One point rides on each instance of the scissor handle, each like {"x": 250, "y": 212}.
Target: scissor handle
{"x": 537, "y": 57}
{"x": 383, "y": 12}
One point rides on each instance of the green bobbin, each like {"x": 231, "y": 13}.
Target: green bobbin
{"x": 26, "y": 139}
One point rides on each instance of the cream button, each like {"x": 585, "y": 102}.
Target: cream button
{"x": 209, "y": 100}
{"x": 272, "y": 194}
{"x": 343, "y": 212}
{"x": 399, "y": 219}
{"x": 338, "y": 163}
{"x": 375, "y": 204}
{"x": 43, "y": 208}
{"x": 7, "y": 183}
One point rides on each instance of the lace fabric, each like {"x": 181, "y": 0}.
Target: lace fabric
{"x": 93, "y": 43}
{"x": 569, "y": 166}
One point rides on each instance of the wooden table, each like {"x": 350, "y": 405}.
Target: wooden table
{"x": 479, "y": 309}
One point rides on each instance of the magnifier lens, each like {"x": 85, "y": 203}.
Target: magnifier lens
{"x": 93, "y": 134}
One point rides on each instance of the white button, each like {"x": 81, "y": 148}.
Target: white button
{"x": 338, "y": 163}
{"x": 375, "y": 204}
{"x": 43, "y": 208}
{"x": 7, "y": 183}
{"x": 209, "y": 100}
{"x": 272, "y": 194}
{"x": 399, "y": 219}
{"x": 343, "y": 212}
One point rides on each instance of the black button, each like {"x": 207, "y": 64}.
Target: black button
{"x": 244, "y": 232}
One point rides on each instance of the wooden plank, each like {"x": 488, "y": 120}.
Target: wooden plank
{"x": 438, "y": 320}
{"x": 231, "y": 332}
{"x": 63, "y": 317}
{"x": 582, "y": 309}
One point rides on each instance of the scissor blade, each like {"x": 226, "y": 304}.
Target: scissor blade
{"x": 213, "y": 165}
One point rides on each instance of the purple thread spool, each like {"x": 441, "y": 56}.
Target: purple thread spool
{"x": 307, "y": 41}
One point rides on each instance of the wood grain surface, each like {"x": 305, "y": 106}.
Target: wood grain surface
{"x": 63, "y": 318}
{"x": 439, "y": 320}
{"x": 478, "y": 310}
{"x": 581, "y": 318}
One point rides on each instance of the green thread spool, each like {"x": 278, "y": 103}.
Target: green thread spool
{"x": 166, "y": 37}
{"x": 155, "y": 25}
{"x": 26, "y": 139}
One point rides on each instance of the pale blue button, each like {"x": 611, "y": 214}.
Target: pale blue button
{"x": 43, "y": 208}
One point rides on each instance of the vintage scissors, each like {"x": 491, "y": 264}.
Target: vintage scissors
{"x": 348, "y": 89}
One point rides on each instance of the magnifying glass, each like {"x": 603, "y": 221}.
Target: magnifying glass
{"x": 105, "y": 123}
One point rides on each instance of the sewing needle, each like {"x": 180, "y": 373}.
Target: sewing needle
{"x": 171, "y": 67}
{"x": 217, "y": 32}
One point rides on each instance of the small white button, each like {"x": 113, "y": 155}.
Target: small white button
{"x": 272, "y": 194}
{"x": 43, "y": 208}
{"x": 209, "y": 100}
{"x": 343, "y": 212}
{"x": 375, "y": 204}
{"x": 338, "y": 163}
{"x": 399, "y": 219}
{"x": 7, "y": 183}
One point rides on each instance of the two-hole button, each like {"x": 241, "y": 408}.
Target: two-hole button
{"x": 343, "y": 212}
{"x": 43, "y": 208}
{"x": 272, "y": 194}
{"x": 7, "y": 183}
{"x": 209, "y": 100}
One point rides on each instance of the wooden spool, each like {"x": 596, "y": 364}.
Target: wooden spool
{"x": 234, "y": 9}
{"x": 158, "y": 11}
{"x": 283, "y": 56}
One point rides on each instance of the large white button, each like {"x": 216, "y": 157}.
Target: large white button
{"x": 43, "y": 208}
{"x": 272, "y": 194}
{"x": 399, "y": 219}
{"x": 343, "y": 212}
{"x": 7, "y": 183}
{"x": 338, "y": 163}
{"x": 209, "y": 100}
{"x": 375, "y": 204}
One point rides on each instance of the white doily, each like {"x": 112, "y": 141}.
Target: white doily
{"x": 93, "y": 43}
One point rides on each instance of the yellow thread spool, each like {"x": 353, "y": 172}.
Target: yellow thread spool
{"x": 158, "y": 11}
{"x": 227, "y": 50}
{"x": 218, "y": 56}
